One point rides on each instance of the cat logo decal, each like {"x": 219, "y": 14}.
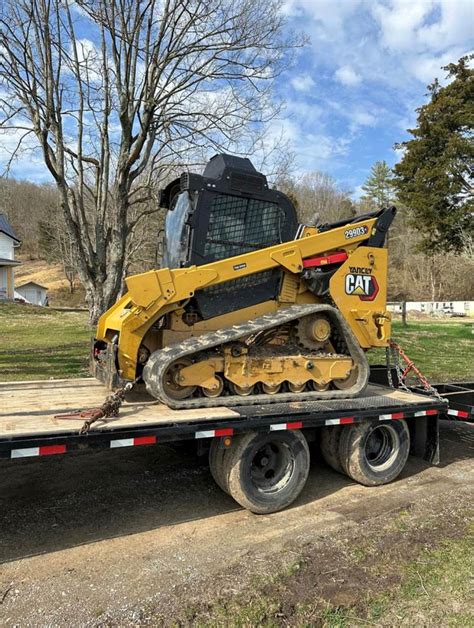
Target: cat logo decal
{"x": 363, "y": 286}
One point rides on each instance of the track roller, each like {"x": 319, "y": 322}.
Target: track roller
{"x": 214, "y": 392}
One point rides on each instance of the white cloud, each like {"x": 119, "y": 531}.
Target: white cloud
{"x": 399, "y": 21}
{"x": 429, "y": 28}
{"x": 454, "y": 25}
{"x": 362, "y": 118}
{"x": 303, "y": 82}
{"x": 347, "y": 76}
{"x": 428, "y": 67}
{"x": 321, "y": 148}
{"x": 383, "y": 40}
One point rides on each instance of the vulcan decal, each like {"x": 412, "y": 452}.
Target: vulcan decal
{"x": 361, "y": 285}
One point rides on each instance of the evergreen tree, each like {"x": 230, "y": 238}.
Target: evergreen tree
{"x": 379, "y": 186}
{"x": 436, "y": 175}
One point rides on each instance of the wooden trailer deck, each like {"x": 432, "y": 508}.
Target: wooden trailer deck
{"x": 28, "y": 409}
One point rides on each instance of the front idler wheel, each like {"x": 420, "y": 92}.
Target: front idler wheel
{"x": 171, "y": 380}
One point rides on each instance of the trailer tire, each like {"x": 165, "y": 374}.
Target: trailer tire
{"x": 374, "y": 453}
{"x": 217, "y": 464}
{"x": 267, "y": 471}
{"x": 329, "y": 443}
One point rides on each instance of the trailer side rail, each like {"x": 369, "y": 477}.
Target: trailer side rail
{"x": 45, "y": 445}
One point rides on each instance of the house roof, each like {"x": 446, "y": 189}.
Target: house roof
{"x": 7, "y": 229}
{"x": 30, "y": 283}
{"x": 9, "y": 262}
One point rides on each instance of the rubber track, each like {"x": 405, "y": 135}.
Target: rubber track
{"x": 160, "y": 360}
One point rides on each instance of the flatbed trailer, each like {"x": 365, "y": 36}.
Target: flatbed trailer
{"x": 258, "y": 454}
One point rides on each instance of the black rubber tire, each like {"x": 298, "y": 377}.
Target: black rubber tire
{"x": 254, "y": 483}
{"x": 329, "y": 442}
{"x": 217, "y": 464}
{"x": 374, "y": 453}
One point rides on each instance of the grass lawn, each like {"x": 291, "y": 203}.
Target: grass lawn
{"x": 442, "y": 351}
{"x": 38, "y": 343}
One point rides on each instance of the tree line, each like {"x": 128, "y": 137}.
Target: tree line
{"x": 156, "y": 86}
{"x": 413, "y": 273}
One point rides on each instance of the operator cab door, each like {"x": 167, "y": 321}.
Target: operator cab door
{"x": 229, "y": 211}
{"x": 225, "y": 226}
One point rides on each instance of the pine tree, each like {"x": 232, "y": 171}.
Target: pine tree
{"x": 379, "y": 186}
{"x": 435, "y": 177}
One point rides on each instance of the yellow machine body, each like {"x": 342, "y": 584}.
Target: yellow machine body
{"x": 358, "y": 289}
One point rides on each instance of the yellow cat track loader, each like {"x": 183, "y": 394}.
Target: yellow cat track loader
{"x": 249, "y": 307}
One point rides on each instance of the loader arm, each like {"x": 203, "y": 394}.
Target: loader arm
{"x": 155, "y": 293}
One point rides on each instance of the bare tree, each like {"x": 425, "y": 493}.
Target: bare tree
{"x": 153, "y": 80}
{"x": 318, "y": 197}
{"x": 57, "y": 245}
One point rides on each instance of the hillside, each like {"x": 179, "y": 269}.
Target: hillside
{"x": 52, "y": 277}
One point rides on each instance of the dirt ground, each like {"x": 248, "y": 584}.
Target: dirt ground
{"x": 143, "y": 535}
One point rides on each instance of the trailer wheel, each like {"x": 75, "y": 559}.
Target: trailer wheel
{"x": 266, "y": 472}
{"x": 374, "y": 454}
{"x": 329, "y": 442}
{"x": 217, "y": 464}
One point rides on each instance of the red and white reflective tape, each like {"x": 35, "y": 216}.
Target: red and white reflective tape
{"x": 426, "y": 413}
{"x": 228, "y": 431}
{"x": 345, "y": 420}
{"x": 391, "y": 417}
{"x": 132, "y": 442}
{"x": 294, "y": 425}
{"x": 461, "y": 414}
{"x": 45, "y": 450}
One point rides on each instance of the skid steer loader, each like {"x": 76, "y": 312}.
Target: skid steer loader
{"x": 249, "y": 307}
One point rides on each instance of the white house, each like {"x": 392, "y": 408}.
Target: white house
{"x": 33, "y": 292}
{"x": 465, "y": 308}
{"x": 8, "y": 242}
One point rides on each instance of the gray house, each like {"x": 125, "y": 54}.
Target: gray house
{"x": 8, "y": 242}
{"x": 33, "y": 292}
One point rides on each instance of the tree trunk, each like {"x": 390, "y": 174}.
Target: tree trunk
{"x": 404, "y": 313}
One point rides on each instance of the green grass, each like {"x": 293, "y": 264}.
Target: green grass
{"x": 442, "y": 351}
{"x": 434, "y": 589}
{"x": 38, "y": 343}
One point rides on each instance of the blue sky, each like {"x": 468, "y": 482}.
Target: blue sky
{"x": 352, "y": 92}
